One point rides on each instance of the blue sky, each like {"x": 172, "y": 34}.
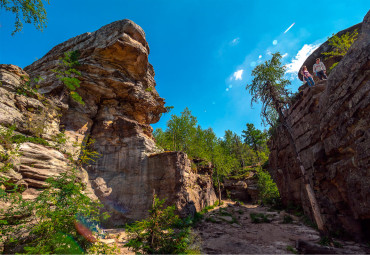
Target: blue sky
{"x": 202, "y": 51}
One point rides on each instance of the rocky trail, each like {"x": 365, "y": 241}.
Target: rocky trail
{"x": 229, "y": 229}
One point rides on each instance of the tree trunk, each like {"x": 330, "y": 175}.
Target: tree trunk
{"x": 310, "y": 193}
{"x": 219, "y": 189}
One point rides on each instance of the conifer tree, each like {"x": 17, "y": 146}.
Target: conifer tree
{"x": 269, "y": 87}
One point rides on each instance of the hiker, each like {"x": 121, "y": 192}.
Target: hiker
{"x": 307, "y": 76}
{"x": 319, "y": 69}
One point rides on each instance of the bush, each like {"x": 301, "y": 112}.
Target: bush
{"x": 268, "y": 191}
{"x": 259, "y": 218}
{"x": 157, "y": 234}
{"x": 65, "y": 219}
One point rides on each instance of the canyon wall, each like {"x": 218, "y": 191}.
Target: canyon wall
{"x": 331, "y": 126}
{"x": 118, "y": 88}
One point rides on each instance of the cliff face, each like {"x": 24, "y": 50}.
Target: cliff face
{"x": 331, "y": 127}
{"x": 118, "y": 88}
{"x": 325, "y": 47}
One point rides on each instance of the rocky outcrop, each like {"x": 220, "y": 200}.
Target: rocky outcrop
{"x": 118, "y": 88}
{"x": 172, "y": 178}
{"x": 325, "y": 47}
{"x": 331, "y": 127}
{"x": 242, "y": 189}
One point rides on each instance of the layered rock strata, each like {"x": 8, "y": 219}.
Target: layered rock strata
{"x": 118, "y": 88}
{"x": 331, "y": 126}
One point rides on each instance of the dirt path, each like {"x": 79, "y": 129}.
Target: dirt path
{"x": 229, "y": 230}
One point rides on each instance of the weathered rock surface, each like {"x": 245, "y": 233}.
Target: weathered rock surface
{"x": 325, "y": 47}
{"x": 245, "y": 190}
{"x": 118, "y": 88}
{"x": 331, "y": 126}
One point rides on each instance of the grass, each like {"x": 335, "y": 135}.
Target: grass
{"x": 291, "y": 249}
{"x": 22, "y": 139}
{"x": 259, "y": 218}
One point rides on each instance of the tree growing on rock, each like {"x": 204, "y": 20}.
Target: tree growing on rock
{"x": 269, "y": 87}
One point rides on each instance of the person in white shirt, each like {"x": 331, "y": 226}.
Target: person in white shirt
{"x": 319, "y": 70}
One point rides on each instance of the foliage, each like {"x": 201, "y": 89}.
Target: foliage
{"x": 24, "y": 139}
{"x": 87, "y": 153}
{"x": 58, "y": 212}
{"x": 291, "y": 249}
{"x": 287, "y": 219}
{"x": 268, "y": 191}
{"x": 149, "y": 89}
{"x": 67, "y": 74}
{"x": 26, "y": 11}
{"x": 269, "y": 87}
{"x": 256, "y": 139}
{"x": 156, "y": 235}
{"x": 61, "y": 219}
{"x": 29, "y": 87}
{"x": 341, "y": 44}
{"x": 259, "y": 218}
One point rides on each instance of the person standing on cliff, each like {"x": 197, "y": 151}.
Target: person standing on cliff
{"x": 307, "y": 76}
{"x": 319, "y": 69}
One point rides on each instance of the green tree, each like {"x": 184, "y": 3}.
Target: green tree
{"x": 158, "y": 234}
{"x": 269, "y": 87}
{"x": 341, "y": 45}
{"x": 27, "y": 11}
{"x": 254, "y": 137}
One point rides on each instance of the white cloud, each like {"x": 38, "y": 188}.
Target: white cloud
{"x": 284, "y": 55}
{"x": 289, "y": 28}
{"x": 235, "y": 41}
{"x": 274, "y": 42}
{"x": 238, "y": 74}
{"x": 298, "y": 60}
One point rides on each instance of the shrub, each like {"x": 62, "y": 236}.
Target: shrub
{"x": 259, "y": 218}
{"x": 65, "y": 219}
{"x": 67, "y": 74}
{"x": 156, "y": 235}
{"x": 340, "y": 45}
{"x": 287, "y": 219}
{"x": 268, "y": 191}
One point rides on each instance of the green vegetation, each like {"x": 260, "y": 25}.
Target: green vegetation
{"x": 67, "y": 74}
{"x": 287, "y": 219}
{"x": 268, "y": 191}
{"x": 23, "y": 139}
{"x": 291, "y": 249}
{"x": 270, "y": 88}
{"x": 341, "y": 45}
{"x": 259, "y": 218}
{"x": 162, "y": 233}
{"x": 61, "y": 219}
{"x": 230, "y": 156}
{"x": 26, "y": 11}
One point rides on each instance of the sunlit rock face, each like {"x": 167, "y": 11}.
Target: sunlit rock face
{"x": 118, "y": 88}
{"x": 326, "y": 47}
{"x": 331, "y": 126}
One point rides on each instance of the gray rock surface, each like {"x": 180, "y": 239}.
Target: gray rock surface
{"x": 331, "y": 126}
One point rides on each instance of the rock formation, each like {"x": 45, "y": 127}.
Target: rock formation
{"x": 325, "y": 47}
{"x": 118, "y": 88}
{"x": 331, "y": 126}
